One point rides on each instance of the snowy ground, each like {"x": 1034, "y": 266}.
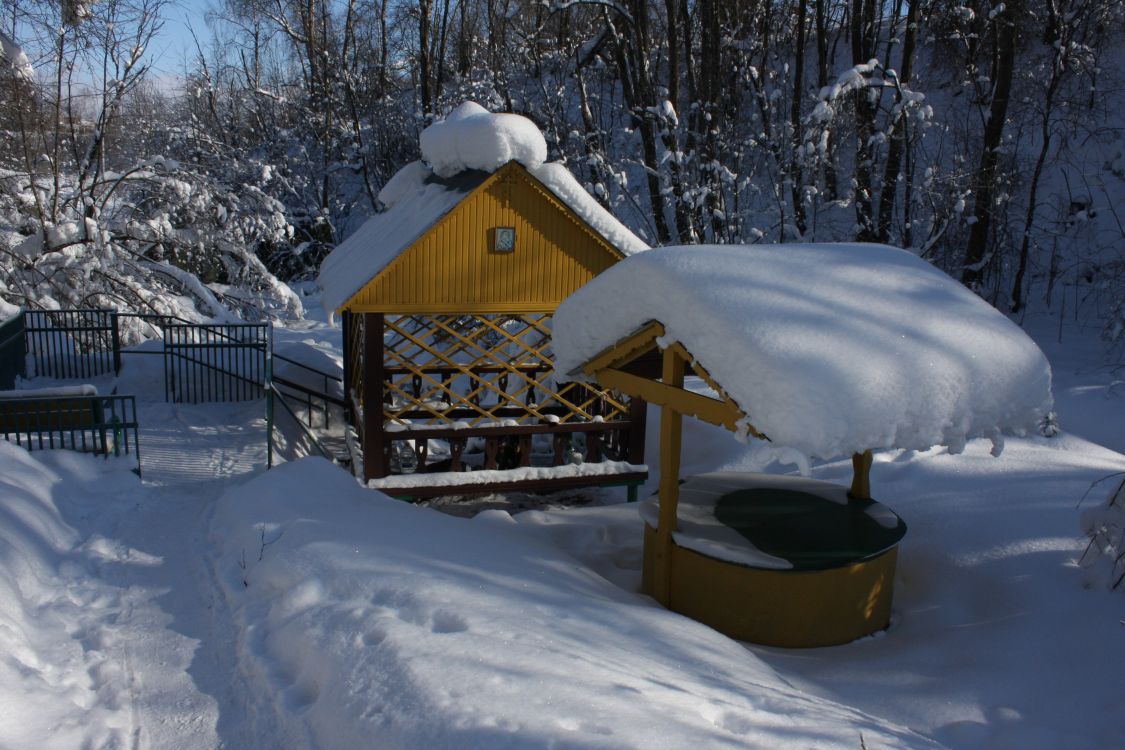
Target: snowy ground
{"x": 216, "y": 605}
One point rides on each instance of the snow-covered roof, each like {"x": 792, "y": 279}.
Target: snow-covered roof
{"x": 828, "y": 349}
{"x": 471, "y": 137}
{"x": 558, "y": 179}
{"x": 414, "y": 200}
{"x": 461, "y": 152}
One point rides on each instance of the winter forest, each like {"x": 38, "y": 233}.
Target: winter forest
{"x": 986, "y": 137}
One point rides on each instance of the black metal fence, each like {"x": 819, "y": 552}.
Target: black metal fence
{"x": 225, "y": 362}
{"x": 104, "y": 425}
{"x": 13, "y": 352}
{"x": 71, "y": 344}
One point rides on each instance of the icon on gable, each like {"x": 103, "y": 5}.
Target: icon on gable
{"x": 504, "y": 239}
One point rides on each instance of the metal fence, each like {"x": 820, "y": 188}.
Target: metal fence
{"x": 71, "y": 344}
{"x": 104, "y": 425}
{"x": 225, "y": 362}
{"x": 13, "y": 352}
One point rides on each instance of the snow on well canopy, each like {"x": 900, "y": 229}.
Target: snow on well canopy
{"x": 828, "y": 349}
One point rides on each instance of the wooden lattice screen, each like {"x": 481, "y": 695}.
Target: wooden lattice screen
{"x": 484, "y": 386}
{"x": 487, "y": 370}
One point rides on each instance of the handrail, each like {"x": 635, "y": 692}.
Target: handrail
{"x": 272, "y": 394}
{"x": 310, "y": 368}
{"x": 310, "y": 391}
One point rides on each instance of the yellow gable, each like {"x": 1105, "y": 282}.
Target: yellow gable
{"x": 461, "y": 265}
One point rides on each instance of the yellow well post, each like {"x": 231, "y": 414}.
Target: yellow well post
{"x": 671, "y": 438}
{"x": 861, "y": 476}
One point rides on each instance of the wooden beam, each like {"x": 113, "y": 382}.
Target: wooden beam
{"x": 349, "y": 355}
{"x": 861, "y": 476}
{"x": 708, "y": 409}
{"x": 554, "y": 484}
{"x": 626, "y": 349}
{"x": 671, "y": 440}
{"x": 374, "y": 453}
{"x": 638, "y": 421}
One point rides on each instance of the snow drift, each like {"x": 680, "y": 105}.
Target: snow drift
{"x": 376, "y": 623}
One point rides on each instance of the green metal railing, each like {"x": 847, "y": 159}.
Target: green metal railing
{"x": 103, "y": 425}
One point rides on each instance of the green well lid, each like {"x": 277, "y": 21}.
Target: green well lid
{"x": 810, "y": 531}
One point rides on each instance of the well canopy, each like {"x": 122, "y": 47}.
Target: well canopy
{"x": 829, "y": 349}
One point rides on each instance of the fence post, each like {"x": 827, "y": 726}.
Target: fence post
{"x": 116, "y": 333}
{"x": 269, "y": 412}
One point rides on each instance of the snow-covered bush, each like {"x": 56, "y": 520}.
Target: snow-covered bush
{"x": 87, "y": 220}
{"x": 156, "y": 238}
{"x": 1104, "y": 558}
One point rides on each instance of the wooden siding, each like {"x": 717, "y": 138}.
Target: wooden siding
{"x": 452, "y": 268}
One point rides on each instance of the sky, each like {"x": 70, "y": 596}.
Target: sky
{"x": 174, "y": 44}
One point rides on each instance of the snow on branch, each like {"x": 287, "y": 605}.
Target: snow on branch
{"x": 1104, "y": 558}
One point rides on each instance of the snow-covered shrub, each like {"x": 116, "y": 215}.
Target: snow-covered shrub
{"x": 1104, "y": 558}
{"x": 154, "y": 239}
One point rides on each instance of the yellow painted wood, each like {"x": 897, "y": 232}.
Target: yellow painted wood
{"x": 861, "y": 476}
{"x": 453, "y": 267}
{"x": 725, "y": 397}
{"x": 626, "y": 350}
{"x": 708, "y": 409}
{"x": 792, "y": 609}
{"x": 437, "y": 352}
{"x": 772, "y": 607}
{"x": 603, "y": 367}
{"x": 671, "y": 438}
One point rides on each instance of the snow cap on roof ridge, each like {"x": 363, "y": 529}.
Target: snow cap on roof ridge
{"x": 471, "y": 137}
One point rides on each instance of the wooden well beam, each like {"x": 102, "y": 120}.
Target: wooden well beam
{"x": 671, "y": 441}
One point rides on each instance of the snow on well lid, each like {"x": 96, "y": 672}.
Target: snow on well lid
{"x": 828, "y": 349}
{"x": 471, "y": 137}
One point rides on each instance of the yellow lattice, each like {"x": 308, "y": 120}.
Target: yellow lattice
{"x": 482, "y": 369}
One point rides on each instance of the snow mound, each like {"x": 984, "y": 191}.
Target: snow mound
{"x": 58, "y": 688}
{"x": 471, "y": 137}
{"x": 829, "y": 349}
{"x": 370, "y": 623}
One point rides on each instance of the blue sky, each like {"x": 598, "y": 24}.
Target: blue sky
{"x": 169, "y": 50}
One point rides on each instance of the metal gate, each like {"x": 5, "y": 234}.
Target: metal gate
{"x": 13, "y": 352}
{"x": 71, "y": 344}
{"x": 225, "y": 362}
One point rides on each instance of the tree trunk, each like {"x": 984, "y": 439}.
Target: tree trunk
{"x": 862, "y": 29}
{"x": 984, "y": 179}
{"x": 889, "y": 193}
{"x": 425, "y": 19}
{"x": 795, "y": 172}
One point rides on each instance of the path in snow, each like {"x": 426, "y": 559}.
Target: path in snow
{"x": 167, "y": 638}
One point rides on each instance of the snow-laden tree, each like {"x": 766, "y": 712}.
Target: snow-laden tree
{"x": 89, "y": 220}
